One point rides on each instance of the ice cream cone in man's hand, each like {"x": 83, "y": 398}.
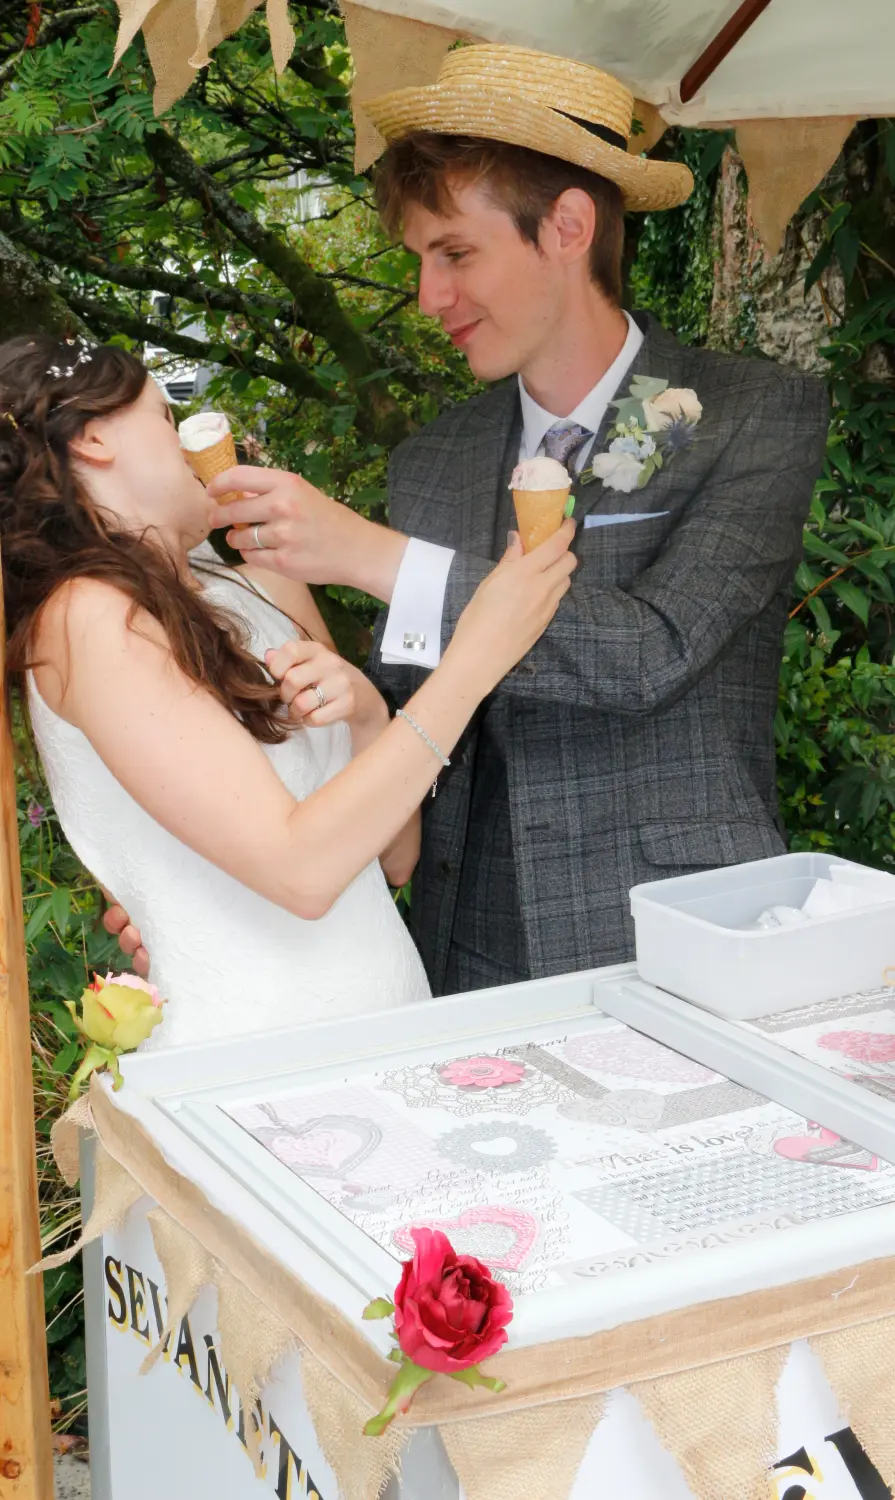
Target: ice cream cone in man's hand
{"x": 208, "y": 443}
{"x": 541, "y": 496}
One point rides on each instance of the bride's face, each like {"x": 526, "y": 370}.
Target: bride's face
{"x": 133, "y": 465}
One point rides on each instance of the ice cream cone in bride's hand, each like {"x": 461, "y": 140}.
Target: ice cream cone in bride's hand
{"x": 541, "y": 496}
{"x": 208, "y": 443}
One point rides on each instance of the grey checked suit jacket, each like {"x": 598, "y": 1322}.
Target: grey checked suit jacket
{"x": 640, "y": 727}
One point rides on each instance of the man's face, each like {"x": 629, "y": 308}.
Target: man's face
{"x": 499, "y": 297}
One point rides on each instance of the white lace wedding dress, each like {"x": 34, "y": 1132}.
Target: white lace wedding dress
{"x": 228, "y": 961}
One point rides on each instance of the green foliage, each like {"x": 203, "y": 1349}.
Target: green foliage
{"x": 673, "y": 272}
{"x": 836, "y": 718}
{"x": 65, "y": 944}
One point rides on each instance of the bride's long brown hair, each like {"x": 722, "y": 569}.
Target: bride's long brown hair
{"x": 51, "y": 530}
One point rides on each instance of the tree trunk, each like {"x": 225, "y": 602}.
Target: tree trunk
{"x": 28, "y": 303}
{"x": 759, "y": 301}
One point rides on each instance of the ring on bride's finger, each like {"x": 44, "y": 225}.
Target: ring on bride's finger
{"x": 321, "y": 696}
{"x": 258, "y": 542}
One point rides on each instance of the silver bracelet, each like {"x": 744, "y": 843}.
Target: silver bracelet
{"x": 401, "y": 714}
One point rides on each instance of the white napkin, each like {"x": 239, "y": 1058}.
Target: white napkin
{"x": 847, "y": 890}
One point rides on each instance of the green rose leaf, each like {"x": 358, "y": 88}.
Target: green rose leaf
{"x": 646, "y": 388}
{"x": 380, "y": 1307}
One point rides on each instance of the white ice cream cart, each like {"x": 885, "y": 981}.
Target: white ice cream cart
{"x": 680, "y": 1245}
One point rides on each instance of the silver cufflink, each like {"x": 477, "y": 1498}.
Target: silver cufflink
{"x": 414, "y": 642}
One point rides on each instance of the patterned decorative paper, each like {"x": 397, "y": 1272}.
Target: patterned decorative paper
{"x": 853, "y": 1037}
{"x": 587, "y": 1155}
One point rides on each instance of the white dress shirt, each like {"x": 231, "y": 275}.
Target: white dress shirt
{"x": 412, "y": 635}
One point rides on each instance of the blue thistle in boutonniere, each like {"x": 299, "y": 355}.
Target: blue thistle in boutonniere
{"x": 654, "y": 424}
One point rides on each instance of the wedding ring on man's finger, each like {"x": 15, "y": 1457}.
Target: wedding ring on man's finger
{"x": 321, "y": 696}
{"x": 258, "y": 542}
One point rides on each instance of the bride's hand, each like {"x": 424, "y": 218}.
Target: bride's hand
{"x": 300, "y": 666}
{"x": 513, "y": 606}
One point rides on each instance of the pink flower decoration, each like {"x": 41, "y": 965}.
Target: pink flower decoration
{"x": 864, "y": 1046}
{"x": 481, "y": 1072}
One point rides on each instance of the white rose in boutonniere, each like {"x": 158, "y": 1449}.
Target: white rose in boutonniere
{"x": 672, "y": 406}
{"x": 622, "y": 467}
{"x": 635, "y": 454}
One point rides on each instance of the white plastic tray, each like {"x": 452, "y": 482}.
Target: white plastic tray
{"x": 693, "y": 937}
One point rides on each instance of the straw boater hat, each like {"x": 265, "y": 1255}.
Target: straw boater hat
{"x": 561, "y": 108}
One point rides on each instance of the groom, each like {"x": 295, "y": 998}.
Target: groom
{"x": 635, "y": 741}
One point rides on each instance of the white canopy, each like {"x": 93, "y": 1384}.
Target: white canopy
{"x": 799, "y": 58}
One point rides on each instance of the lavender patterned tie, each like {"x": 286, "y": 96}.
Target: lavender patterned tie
{"x": 564, "y": 441}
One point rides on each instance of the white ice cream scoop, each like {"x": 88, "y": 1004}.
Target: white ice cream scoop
{"x": 540, "y": 474}
{"x": 203, "y": 430}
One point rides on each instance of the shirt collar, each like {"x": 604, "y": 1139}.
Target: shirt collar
{"x": 589, "y": 413}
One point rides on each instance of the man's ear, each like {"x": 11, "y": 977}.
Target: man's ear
{"x": 572, "y": 225}
{"x": 92, "y": 447}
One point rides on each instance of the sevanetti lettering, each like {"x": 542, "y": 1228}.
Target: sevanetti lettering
{"x": 135, "y": 1305}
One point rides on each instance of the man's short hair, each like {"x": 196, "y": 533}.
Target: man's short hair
{"x": 421, "y": 168}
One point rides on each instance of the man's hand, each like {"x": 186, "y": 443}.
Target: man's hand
{"x": 287, "y": 526}
{"x": 117, "y": 922}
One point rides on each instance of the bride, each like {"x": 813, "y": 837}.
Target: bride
{"x": 247, "y": 841}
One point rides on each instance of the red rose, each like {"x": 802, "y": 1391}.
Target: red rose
{"x": 449, "y": 1310}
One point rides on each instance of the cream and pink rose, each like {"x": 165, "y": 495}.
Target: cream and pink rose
{"x": 673, "y": 405}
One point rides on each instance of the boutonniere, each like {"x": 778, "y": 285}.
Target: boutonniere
{"x": 654, "y": 424}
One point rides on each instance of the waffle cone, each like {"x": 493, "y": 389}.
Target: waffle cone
{"x": 539, "y": 513}
{"x": 207, "y": 463}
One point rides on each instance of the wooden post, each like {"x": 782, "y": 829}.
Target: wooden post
{"x": 26, "y": 1459}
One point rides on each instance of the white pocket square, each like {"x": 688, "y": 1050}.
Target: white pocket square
{"x": 622, "y": 519}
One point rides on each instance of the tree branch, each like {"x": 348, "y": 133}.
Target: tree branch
{"x": 50, "y": 31}
{"x": 111, "y": 318}
{"x": 146, "y": 278}
{"x": 317, "y": 305}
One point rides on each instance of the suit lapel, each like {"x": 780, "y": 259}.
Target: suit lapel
{"x": 658, "y": 355}
{"x": 488, "y": 459}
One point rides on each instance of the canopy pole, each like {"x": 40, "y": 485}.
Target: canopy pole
{"x": 713, "y": 56}
{"x": 26, "y": 1458}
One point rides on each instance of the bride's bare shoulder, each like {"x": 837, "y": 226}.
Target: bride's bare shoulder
{"x": 84, "y": 620}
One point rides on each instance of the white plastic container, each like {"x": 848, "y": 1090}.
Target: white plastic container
{"x": 691, "y": 940}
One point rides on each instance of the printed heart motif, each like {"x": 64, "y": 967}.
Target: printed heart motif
{"x": 502, "y": 1237}
{"x": 504, "y": 1145}
{"x": 328, "y": 1146}
{"x": 826, "y": 1150}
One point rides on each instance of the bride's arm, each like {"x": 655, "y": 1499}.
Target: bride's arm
{"x": 193, "y": 768}
{"x": 297, "y": 666}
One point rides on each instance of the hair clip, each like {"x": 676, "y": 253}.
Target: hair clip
{"x": 59, "y": 372}
{"x": 7, "y": 416}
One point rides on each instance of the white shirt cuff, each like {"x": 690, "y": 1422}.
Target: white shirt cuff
{"x": 412, "y": 636}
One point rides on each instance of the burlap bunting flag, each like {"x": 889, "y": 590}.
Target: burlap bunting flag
{"x": 719, "y": 1421}
{"x": 860, "y": 1365}
{"x": 364, "y": 1465}
{"x": 115, "y": 1194}
{"x": 785, "y": 160}
{"x": 533, "y": 1452}
{"x": 181, "y": 35}
{"x": 389, "y": 52}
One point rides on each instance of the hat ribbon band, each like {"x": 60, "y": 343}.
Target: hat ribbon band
{"x": 611, "y": 137}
